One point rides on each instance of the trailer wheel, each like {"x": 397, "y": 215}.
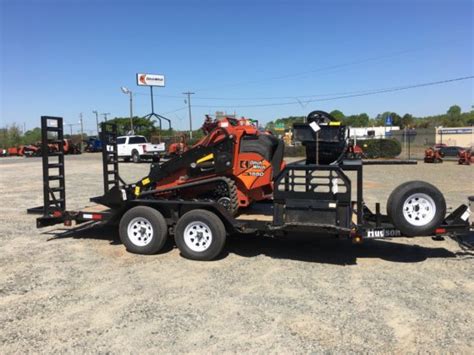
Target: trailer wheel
{"x": 136, "y": 156}
{"x": 200, "y": 235}
{"x": 416, "y": 208}
{"x": 143, "y": 230}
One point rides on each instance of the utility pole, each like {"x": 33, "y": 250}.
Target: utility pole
{"x": 105, "y": 115}
{"x": 70, "y": 127}
{"x": 82, "y": 129}
{"x": 96, "y": 120}
{"x": 189, "y": 112}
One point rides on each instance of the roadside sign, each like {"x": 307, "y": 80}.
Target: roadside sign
{"x": 150, "y": 79}
{"x": 388, "y": 121}
{"x": 279, "y": 126}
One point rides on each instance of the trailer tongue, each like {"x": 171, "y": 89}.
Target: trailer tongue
{"x": 234, "y": 180}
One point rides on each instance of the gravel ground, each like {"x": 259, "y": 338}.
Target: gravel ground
{"x": 82, "y": 292}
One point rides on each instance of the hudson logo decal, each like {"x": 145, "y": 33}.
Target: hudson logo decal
{"x": 383, "y": 233}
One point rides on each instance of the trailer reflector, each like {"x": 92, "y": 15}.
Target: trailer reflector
{"x": 440, "y": 230}
{"x": 96, "y": 216}
{"x": 93, "y": 216}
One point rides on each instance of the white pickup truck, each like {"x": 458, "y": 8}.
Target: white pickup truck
{"x": 137, "y": 148}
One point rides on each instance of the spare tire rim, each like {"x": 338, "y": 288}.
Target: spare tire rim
{"x": 198, "y": 236}
{"x": 140, "y": 231}
{"x": 419, "y": 209}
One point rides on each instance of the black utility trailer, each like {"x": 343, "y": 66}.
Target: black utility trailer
{"x": 307, "y": 198}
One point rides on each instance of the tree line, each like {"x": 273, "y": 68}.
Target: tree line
{"x": 13, "y": 136}
{"x": 454, "y": 117}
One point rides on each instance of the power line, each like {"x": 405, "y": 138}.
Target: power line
{"x": 322, "y": 69}
{"x": 362, "y": 93}
{"x": 178, "y": 109}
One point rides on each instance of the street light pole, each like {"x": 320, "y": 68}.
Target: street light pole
{"x": 189, "y": 113}
{"x": 130, "y": 93}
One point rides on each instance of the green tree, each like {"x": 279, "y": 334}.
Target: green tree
{"x": 454, "y": 110}
{"x": 32, "y": 136}
{"x": 338, "y": 115}
{"x": 407, "y": 120}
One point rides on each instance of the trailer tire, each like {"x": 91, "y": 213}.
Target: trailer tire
{"x": 136, "y": 156}
{"x": 200, "y": 235}
{"x": 153, "y": 232}
{"x": 416, "y": 208}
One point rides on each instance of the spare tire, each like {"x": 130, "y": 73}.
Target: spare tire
{"x": 416, "y": 208}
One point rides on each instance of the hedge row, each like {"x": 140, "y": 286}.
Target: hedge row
{"x": 373, "y": 149}
{"x": 380, "y": 148}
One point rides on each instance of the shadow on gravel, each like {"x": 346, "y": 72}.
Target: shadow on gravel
{"x": 298, "y": 247}
{"x": 86, "y": 231}
{"x": 96, "y": 231}
{"x": 333, "y": 251}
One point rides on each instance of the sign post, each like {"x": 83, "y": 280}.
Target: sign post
{"x": 152, "y": 80}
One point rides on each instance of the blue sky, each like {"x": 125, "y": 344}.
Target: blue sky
{"x": 65, "y": 57}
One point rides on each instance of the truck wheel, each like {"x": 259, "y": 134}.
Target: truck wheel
{"x": 200, "y": 235}
{"x": 135, "y": 156}
{"x": 143, "y": 230}
{"x": 416, "y": 208}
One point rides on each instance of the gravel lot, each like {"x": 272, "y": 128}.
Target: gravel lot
{"x": 82, "y": 292}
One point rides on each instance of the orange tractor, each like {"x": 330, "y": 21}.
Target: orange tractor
{"x": 465, "y": 157}
{"x": 177, "y": 146}
{"x": 433, "y": 155}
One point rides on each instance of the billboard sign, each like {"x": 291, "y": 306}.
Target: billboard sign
{"x": 455, "y": 131}
{"x": 150, "y": 79}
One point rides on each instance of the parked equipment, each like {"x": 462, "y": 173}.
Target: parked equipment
{"x": 433, "y": 155}
{"x": 235, "y": 181}
{"x": 177, "y": 146}
{"x": 465, "y": 157}
{"x": 93, "y": 145}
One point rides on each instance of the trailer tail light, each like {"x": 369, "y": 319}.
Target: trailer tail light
{"x": 92, "y": 216}
{"x": 144, "y": 148}
{"x": 440, "y": 230}
{"x": 57, "y": 214}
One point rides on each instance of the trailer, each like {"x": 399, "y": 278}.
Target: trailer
{"x": 308, "y": 197}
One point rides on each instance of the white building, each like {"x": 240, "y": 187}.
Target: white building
{"x": 372, "y": 132}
